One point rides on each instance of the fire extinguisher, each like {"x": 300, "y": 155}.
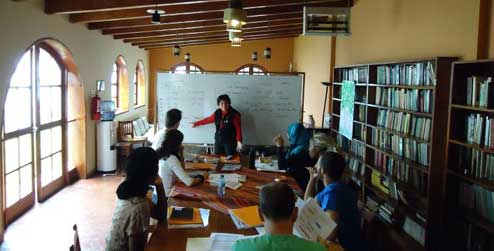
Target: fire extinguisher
{"x": 96, "y": 107}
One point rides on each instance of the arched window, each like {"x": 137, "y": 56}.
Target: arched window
{"x": 120, "y": 85}
{"x": 187, "y": 68}
{"x": 251, "y": 69}
{"x": 44, "y": 127}
{"x": 140, "y": 84}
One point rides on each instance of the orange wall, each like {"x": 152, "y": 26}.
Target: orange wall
{"x": 220, "y": 57}
{"x": 407, "y": 29}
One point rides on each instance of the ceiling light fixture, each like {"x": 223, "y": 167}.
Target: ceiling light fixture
{"x": 176, "y": 50}
{"x": 267, "y": 53}
{"x": 187, "y": 57}
{"x": 236, "y": 38}
{"x": 155, "y": 14}
{"x": 254, "y": 56}
{"x": 234, "y": 16}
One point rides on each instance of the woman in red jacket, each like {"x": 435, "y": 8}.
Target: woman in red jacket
{"x": 228, "y": 136}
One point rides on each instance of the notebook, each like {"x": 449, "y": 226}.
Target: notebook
{"x": 248, "y": 216}
{"x": 182, "y": 213}
{"x": 195, "y": 219}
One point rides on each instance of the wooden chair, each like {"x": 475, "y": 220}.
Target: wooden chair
{"x": 77, "y": 245}
{"x": 126, "y": 141}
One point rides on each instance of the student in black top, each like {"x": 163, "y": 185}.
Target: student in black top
{"x": 228, "y": 136}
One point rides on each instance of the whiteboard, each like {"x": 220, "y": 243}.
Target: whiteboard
{"x": 267, "y": 104}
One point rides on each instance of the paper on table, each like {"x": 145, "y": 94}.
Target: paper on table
{"x": 313, "y": 223}
{"x": 223, "y": 242}
{"x": 231, "y": 167}
{"x": 197, "y": 244}
{"x": 260, "y": 230}
{"x": 214, "y": 177}
{"x": 268, "y": 167}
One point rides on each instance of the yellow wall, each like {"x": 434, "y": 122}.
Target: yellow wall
{"x": 403, "y": 29}
{"x": 221, "y": 57}
{"x": 312, "y": 56}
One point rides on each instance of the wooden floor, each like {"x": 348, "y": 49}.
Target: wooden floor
{"x": 48, "y": 226}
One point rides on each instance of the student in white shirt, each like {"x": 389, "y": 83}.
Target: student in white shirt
{"x": 173, "y": 118}
{"x": 171, "y": 165}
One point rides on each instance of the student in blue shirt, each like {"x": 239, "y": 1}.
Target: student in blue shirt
{"x": 338, "y": 200}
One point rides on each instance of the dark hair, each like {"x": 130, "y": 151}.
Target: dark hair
{"x": 223, "y": 97}
{"x": 171, "y": 144}
{"x": 276, "y": 201}
{"x": 333, "y": 164}
{"x": 141, "y": 164}
{"x": 173, "y": 116}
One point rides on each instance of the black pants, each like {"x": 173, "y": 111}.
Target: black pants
{"x": 227, "y": 149}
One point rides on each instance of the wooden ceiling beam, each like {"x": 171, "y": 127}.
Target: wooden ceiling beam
{"x": 252, "y": 14}
{"x": 195, "y": 8}
{"x": 80, "y": 6}
{"x": 216, "y": 35}
{"x": 266, "y": 19}
{"x": 214, "y": 42}
{"x": 178, "y": 32}
{"x": 209, "y": 32}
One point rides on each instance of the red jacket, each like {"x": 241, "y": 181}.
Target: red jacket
{"x": 236, "y": 124}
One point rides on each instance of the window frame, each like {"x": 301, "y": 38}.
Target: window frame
{"x": 241, "y": 70}
{"x": 188, "y": 66}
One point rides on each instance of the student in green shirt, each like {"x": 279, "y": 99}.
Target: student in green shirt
{"x": 277, "y": 204}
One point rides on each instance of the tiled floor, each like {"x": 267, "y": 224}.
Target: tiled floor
{"x": 48, "y": 226}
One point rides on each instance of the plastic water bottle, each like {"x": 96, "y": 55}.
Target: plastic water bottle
{"x": 221, "y": 186}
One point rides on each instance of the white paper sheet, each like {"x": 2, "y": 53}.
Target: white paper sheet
{"x": 268, "y": 167}
{"x": 223, "y": 241}
{"x": 313, "y": 223}
{"x": 198, "y": 244}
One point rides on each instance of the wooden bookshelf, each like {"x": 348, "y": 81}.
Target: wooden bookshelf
{"x": 461, "y": 170}
{"x": 372, "y": 79}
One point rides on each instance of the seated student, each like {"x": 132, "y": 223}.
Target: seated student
{"x": 171, "y": 165}
{"x": 130, "y": 221}
{"x": 277, "y": 204}
{"x": 173, "y": 117}
{"x": 296, "y": 158}
{"x": 338, "y": 200}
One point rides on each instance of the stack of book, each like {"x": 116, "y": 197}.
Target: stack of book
{"x": 358, "y": 149}
{"x": 386, "y": 212}
{"x": 186, "y": 217}
{"x": 413, "y": 100}
{"x": 372, "y": 203}
{"x": 418, "y": 127}
{"x": 355, "y": 74}
{"x": 478, "y": 199}
{"x": 406, "y": 74}
{"x": 480, "y": 91}
{"x": 480, "y": 130}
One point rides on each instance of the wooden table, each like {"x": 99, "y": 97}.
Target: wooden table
{"x": 204, "y": 195}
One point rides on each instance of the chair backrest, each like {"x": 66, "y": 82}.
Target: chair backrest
{"x": 125, "y": 129}
{"x": 77, "y": 245}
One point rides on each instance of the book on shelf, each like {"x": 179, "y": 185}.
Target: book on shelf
{"x": 415, "y": 230}
{"x": 480, "y": 130}
{"x": 405, "y": 147}
{"x": 473, "y": 238}
{"x": 359, "y": 131}
{"x": 413, "y": 100}
{"x": 360, "y": 113}
{"x": 354, "y": 74}
{"x": 405, "y": 123}
{"x": 480, "y": 91}
{"x": 421, "y": 73}
{"x": 475, "y": 163}
{"x": 357, "y": 167}
{"x": 357, "y": 148}
{"x": 477, "y": 199}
